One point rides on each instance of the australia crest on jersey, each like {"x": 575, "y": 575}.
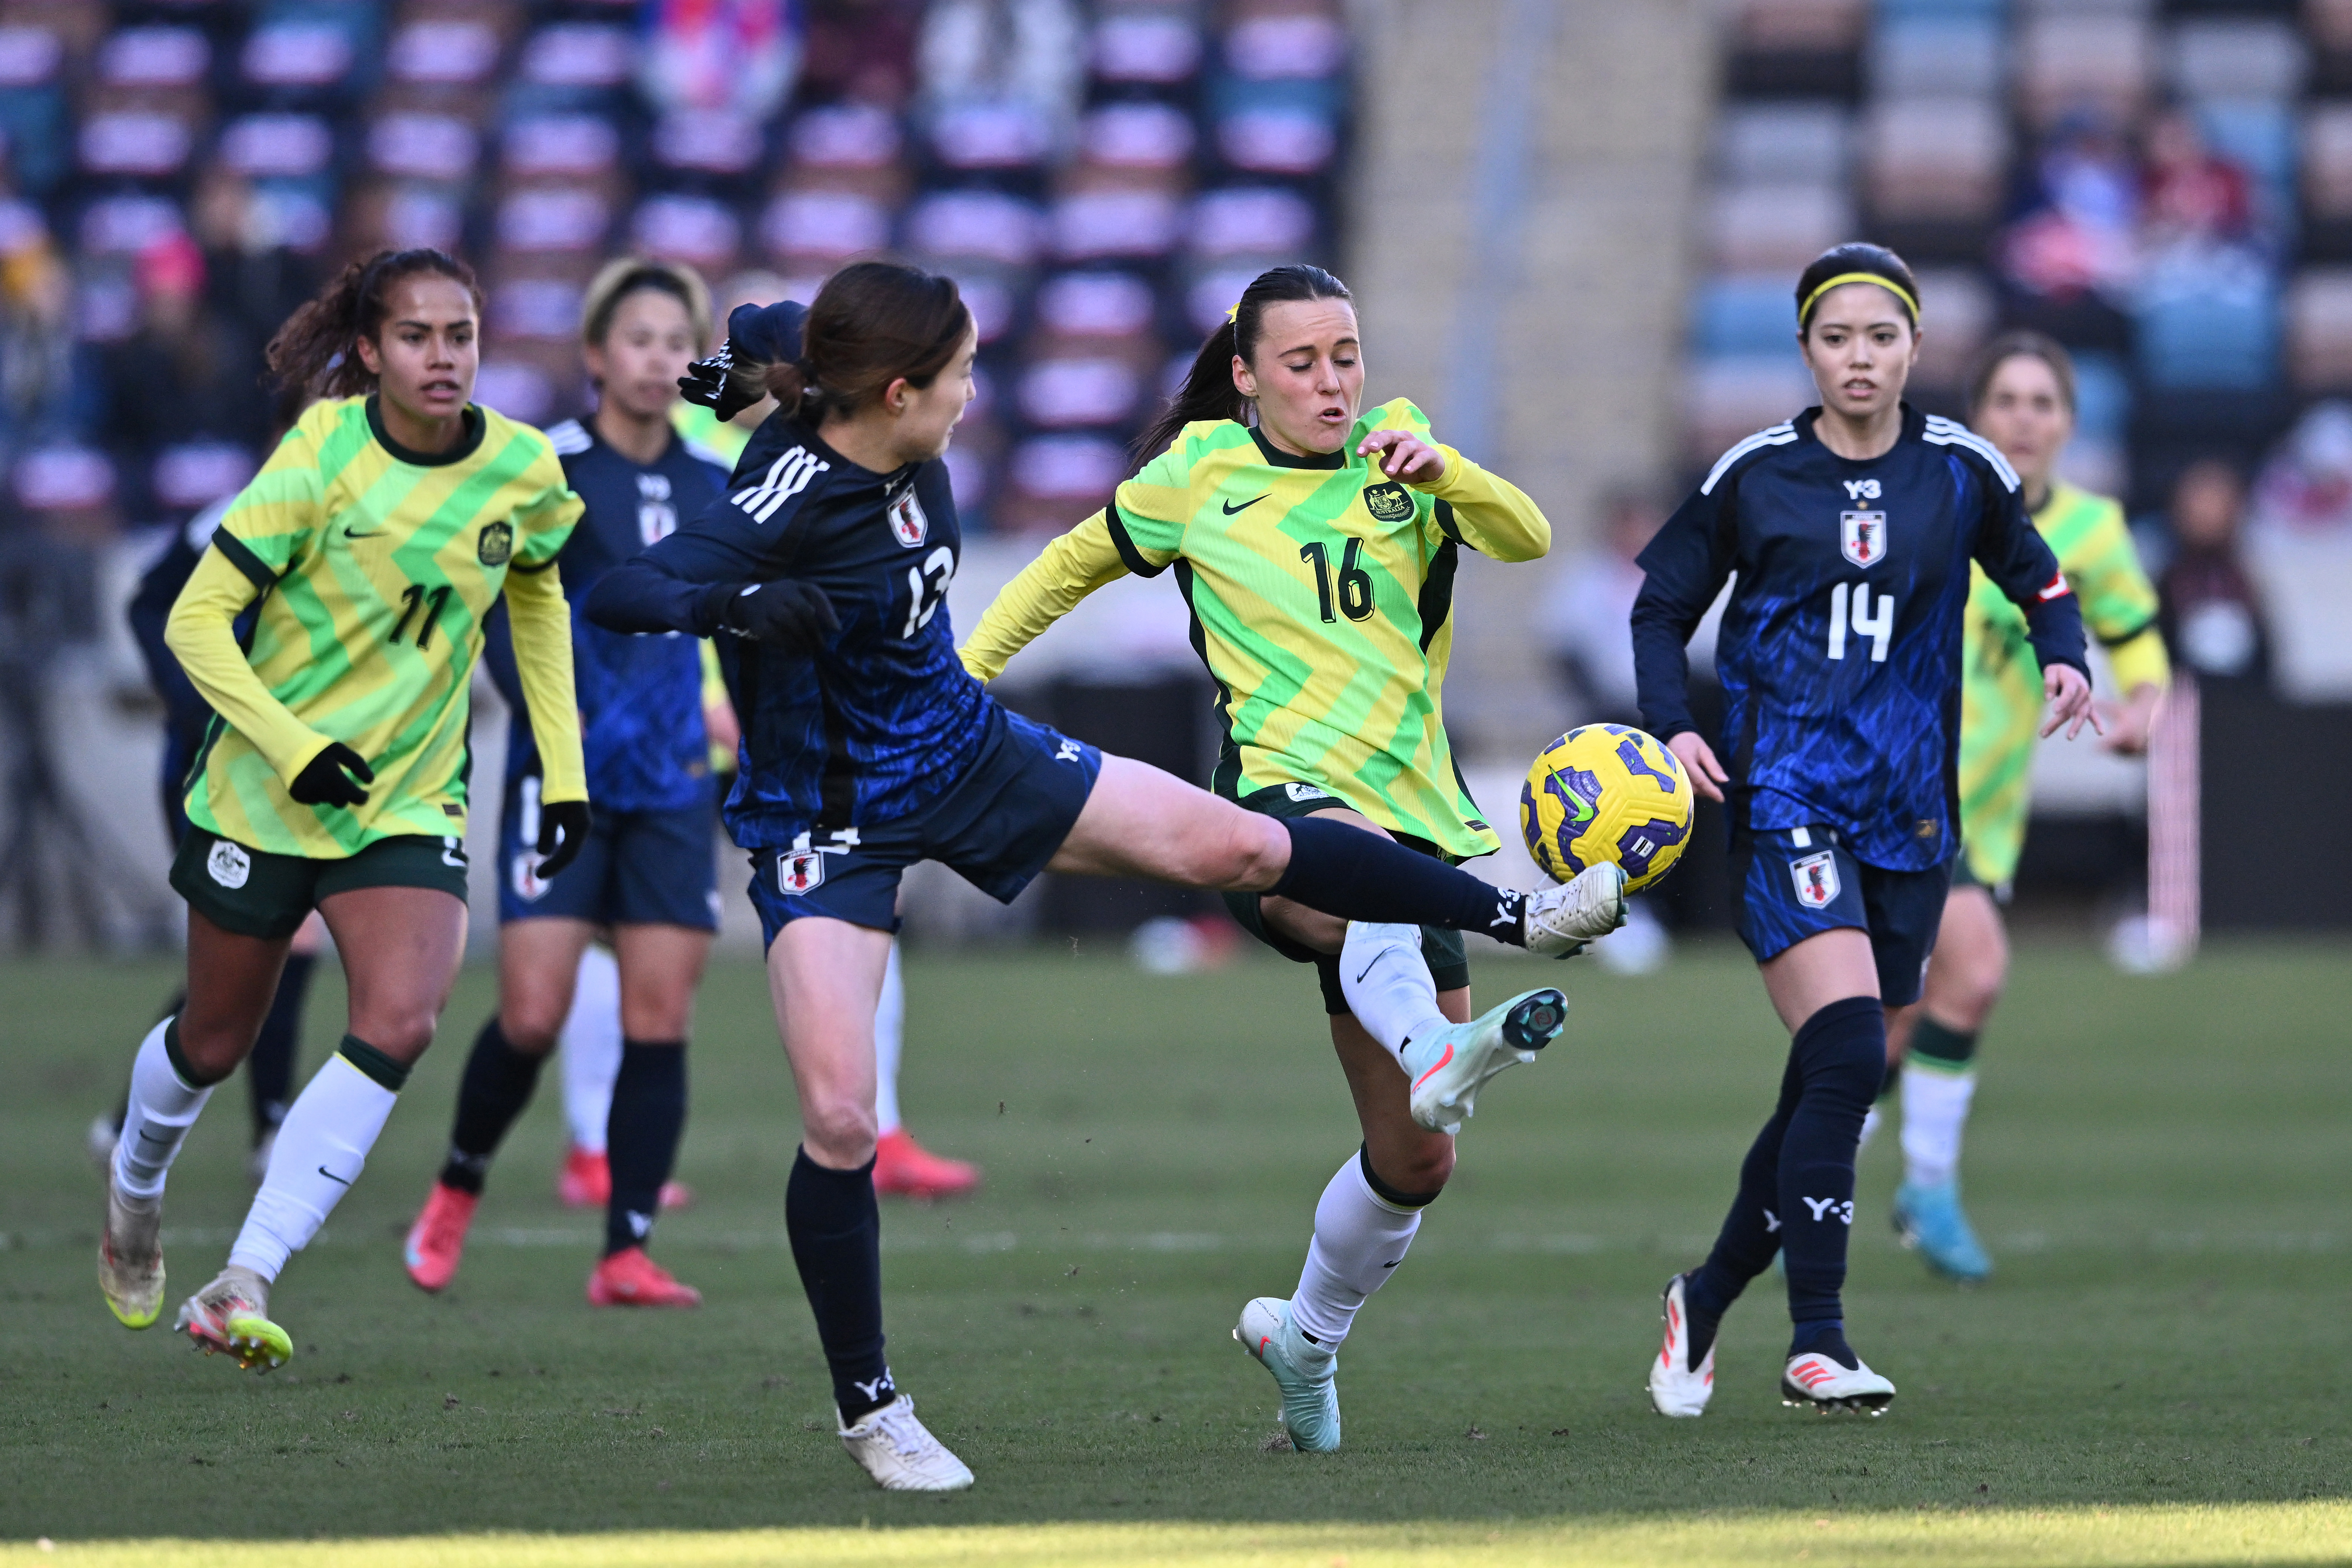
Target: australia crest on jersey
{"x": 496, "y": 547}
{"x": 908, "y": 523}
{"x": 1388, "y": 502}
{"x": 1816, "y": 877}
{"x": 1862, "y": 537}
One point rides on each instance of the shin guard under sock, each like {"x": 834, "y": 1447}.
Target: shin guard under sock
{"x": 837, "y": 1235}
{"x": 1939, "y": 1081}
{"x": 162, "y": 1104}
{"x": 1369, "y": 877}
{"x": 269, "y": 1070}
{"x": 1362, "y": 1228}
{"x": 497, "y": 1087}
{"x": 1840, "y": 1057}
{"x": 321, "y": 1147}
{"x": 641, "y": 1138}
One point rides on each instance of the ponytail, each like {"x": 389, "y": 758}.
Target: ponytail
{"x": 873, "y": 322}
{"x": 1208, "y": 392}
{"x": 315, "y": 351}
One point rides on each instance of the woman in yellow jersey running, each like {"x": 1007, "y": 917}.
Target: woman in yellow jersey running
{"x": 2022, "y": 399}
{"x": 369, "y": 549}
{"x": 1317, "y": 547}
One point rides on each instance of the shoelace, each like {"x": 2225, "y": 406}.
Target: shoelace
{"x": 907, "y": 1435}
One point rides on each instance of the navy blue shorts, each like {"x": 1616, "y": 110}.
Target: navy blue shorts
{"x": 995, "y": 828}
{"x": 638, "y": 867}
{"x": 1796, "y": 882}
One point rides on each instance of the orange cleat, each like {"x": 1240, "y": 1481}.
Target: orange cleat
{"x": 630, "y": 1279}
{"x": 436, "y": 1242}
{"x": 586, "y": 1183}
{"x": 904, "y": 1167}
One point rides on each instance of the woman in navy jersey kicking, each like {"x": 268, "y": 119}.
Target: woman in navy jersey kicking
{"x": 1851, "y": 528}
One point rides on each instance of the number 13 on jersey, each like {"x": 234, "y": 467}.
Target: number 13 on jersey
{"x": 927, "y": 588}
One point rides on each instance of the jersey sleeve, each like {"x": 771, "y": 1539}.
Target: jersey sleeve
{"x": 268, "y": 529}
{"x": 542, "y": 625}
{"x": 2019, "y": 561}
{"x": 1147, "y": 515}
{"x": 1486, "y": 512}
{"x": 201, "y": 635}
{"x": 1048, "y": 588}
{"x": 1683, "y": 568}
{"x": 2119, "y": 604}
{"x": 544, "y": 520}
{"x": 683, "y": 583}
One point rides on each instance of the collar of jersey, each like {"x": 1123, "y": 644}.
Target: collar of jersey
{"x": 1914, "y": 423}
{"x": 1282, "y": 460}
{"x": 473, "y": 426}
{"x": 807, "y": 436}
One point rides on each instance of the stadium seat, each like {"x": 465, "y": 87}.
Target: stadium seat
{"x": 423, "y": 146}
{"x": 2236, "y": 57}
{"x": 1933, "y": 55}
{"x": 2213, "y": 338}
{"x": 1155, "y": 48}
{"x": 2071, "y": 61}
{"x": 2259, "y": 134}
{"x": 822, "y": 229}
{"x": 1729, "y": 398}
{"x": 2319, "y": 330}
{"x": 1773, "y": 143}
{"x": 979, "y": 224}
{"x": 1774, "y": 228}
{"x": 1798, "y": 26}
{"x": 278, "y": 146}
{"x": 703, "y": 233}
{"x": 1744, "y": 315}
{"x": 1959, "y": 312}
{"x": 559, "y": 144}
{"x": 1935, "y": 158}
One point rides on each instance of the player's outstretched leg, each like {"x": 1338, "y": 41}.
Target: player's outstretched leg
{"x": 1839, "y": 1056}
{"x": 163, "y": 1103}
{"x": 648, "y": 1116}
{"x": 1391, "y": 992}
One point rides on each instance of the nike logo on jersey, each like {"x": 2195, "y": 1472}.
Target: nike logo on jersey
{"x": 350, "y": 532}
{"x": 1230, "y": 508}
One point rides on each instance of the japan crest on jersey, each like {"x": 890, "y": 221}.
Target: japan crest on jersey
{"x": 1816, "y": 877}
{"x": 1862, "y": 537}
{"x": 907, "y": 519}
{"x": 800, "y": 870}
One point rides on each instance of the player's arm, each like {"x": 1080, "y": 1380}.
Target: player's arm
{"x": 539, "y": 622}
{"x": 2119, "y": 608}
{"x": 1046, "y": 590}
{"x": 1683, "y": 568}
{"x": 716, "y": 574}
{"x": 2019, "y": 560}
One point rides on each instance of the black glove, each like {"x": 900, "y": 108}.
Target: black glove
{"x": 788, "y": 614}
{"x": 757, "y": 335}
{"x": 712, "y": 384}
{"x": 322, "y": 781}
{"x": 562, "y": 830}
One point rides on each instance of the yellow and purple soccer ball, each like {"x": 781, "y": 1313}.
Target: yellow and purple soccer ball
{"x": 1606, "y": 791}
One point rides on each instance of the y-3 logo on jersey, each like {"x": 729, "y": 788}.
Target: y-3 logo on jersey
{"x": 1861, "y": 489}
{"x": 787, "y": 477}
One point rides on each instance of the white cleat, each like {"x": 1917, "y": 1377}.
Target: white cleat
{"x": 900, "y": 1453}
{"x": 130, "y": 1257}
{"x": 1448, "y": 1066}
{"x": 1307, "y": 1375}
{"x": 1817, "y": 1379}
{"x": 1557, "y": 921}
{"x": 1676, "y": 1387}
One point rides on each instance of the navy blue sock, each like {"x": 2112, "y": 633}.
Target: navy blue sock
{"x": 1840, "y": 1056}
{"x": 269, "y": 1070}
{"x": 1828, "y": 1337}
{"x": 641, "y": 1134}
{"x": 836, "y": 1235}
{"x": 1359, "y": 875}
{"x": 1751, "y": 1231}
{"x": 496, "y": 1086}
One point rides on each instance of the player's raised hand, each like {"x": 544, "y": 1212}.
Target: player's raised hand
{"x": 1698, "y": 761}
{"x": 1401, "y": 455}
{"x": 2069, "y": 691}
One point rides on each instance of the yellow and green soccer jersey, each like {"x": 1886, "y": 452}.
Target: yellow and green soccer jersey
{"x": 1322, "y": 593}
{"x": 375, "y": 567}
{"x": 2000, "y": 691}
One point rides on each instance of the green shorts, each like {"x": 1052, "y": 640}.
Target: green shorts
{"x": 1965, "y": 876}
{"x": 1449, "y": 965}
{"x": 255, "y": 893}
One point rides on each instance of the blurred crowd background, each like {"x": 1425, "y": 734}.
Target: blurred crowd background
{"x": 1572, "y": 227}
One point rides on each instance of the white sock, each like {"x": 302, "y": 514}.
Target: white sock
{"x": 1360, "y": 1239}
{"x": 1935, "y": 1109}
{"x": 321, "y": 1146}
{"x": 591, "y": 1048}
{"x": 889, "y": 1039}
{"x": 161, "y": 1109}
{"x": 1387, "y": 984}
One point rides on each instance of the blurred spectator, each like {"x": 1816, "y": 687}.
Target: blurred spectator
{"x": 2077, "y": 219}
{"x": 184, "y": 378}
{"x": 2195, "y": 204}
{"x": 1024, "y": 55}
{"x": 254, "y": 275}
{"x": 2212, "y": 617}
{"x": 2307, "y": 486}
{"x": 862, "y": 51}
{"x": 1589, "y": 611}
{"x": 733, "y": 55}
{"x": 37, "y": 339}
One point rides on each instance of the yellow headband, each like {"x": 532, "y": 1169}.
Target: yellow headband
{"x": 1888, "y": 284}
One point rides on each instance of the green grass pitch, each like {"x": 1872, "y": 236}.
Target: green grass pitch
{"x": 2156, "y": 1373}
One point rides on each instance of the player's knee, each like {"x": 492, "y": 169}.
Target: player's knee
{"x": 1250, "y": 853}
{"x": 1421, "y": 1169}
{"x": 840, "y": 1130}
{"x": 531, "y": 1017}
{"x": 401, "y": 1033}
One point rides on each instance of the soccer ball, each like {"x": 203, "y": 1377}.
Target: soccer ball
{"x": 1606, "y": 791}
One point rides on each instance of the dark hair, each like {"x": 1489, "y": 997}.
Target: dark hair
{"x": 1856, "y": 262}
{"x": 631, "y": 275}
{"x": 1208, "y": 391}
{"x": 2012, "y": 345}
{"x": 315, "y": 348}
{"x": 871, "y": 325}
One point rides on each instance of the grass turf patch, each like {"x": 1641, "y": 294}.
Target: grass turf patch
{"x": 2158, "y": 1166}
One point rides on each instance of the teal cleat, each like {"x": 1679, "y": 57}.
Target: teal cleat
{"x": 1305, "y": 1375}
{"x": 1931, "y": 1222}
{"x": 1449, "y": 1066}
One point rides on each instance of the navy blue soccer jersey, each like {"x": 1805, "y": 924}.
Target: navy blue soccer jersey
{"x": 641, "y": 726}
{"x": 883, "y": 719}
{"x": 1839, "y": 652}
